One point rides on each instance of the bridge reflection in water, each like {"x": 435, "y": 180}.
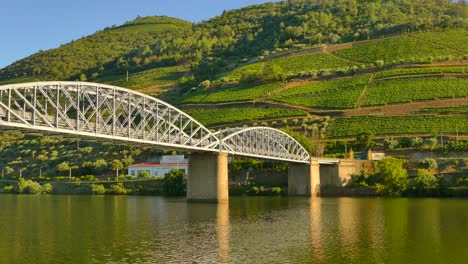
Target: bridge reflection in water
{"x": 119, "y": 229}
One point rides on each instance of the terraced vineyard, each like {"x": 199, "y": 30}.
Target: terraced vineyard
{"x": 308, "y": 62}
{"x": 393, "y": 50}
{"x": 228, "y": 94}
{"x": 236, "y": 75}
{"x": 456, "y": 39}
{"x": 419, "y": 71}
{"x": 408, "y": 90}
{"x": 291, "y": 65}
{"x": 394, "y": 125}
{"x": 213, "y": 117}
{"x": 335, "y": 94}
{"x": 446, "y": 110}
{"x": 148, "y": 78}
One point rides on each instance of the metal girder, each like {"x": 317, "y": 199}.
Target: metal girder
{"x": 262, "y": 142}
{"x": 109, "y": 113}
{"x": 102, "y": 111}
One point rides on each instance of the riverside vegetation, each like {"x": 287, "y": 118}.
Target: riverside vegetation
{"x": 330, "y": 73}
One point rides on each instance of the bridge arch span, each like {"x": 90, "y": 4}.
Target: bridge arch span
{"x": 262, "y": 142}
{"x": 99, "y": 111}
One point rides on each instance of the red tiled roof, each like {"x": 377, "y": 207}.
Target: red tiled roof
{"x": 155, "y": 164}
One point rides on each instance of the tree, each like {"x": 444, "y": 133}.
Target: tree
{"x": 394, "y": 176}
{"x": 175, "y": 182}
{"x": 117, "y": 165}
{"x": 64, "y": 166}
{"x": 100, "y": 166}
{"x": 425, "y": 182}
{"x": 42, "y": 158}
{"x": 365, "y": 140}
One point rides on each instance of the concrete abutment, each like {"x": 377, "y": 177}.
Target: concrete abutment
{"x": 304, "y": 179}
{"x": 207, "y": 179}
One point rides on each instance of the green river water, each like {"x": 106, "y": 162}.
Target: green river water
{"x": 135, "y": 229}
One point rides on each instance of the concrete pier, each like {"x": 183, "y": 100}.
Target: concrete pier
{"x": 304, "y": 179}
{"x": 207, "y": 179}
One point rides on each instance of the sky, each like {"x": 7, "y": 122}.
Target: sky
{"x": 28, "y": 26}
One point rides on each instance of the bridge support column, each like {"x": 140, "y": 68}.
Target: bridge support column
{"x": 304, "y": 179}
{"x": 207, "y": 179}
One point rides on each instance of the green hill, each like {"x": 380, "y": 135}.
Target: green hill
{"x": 90, "y": 55}
{"x": 323, "y": 70}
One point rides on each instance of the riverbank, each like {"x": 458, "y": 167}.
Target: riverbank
{"x": 155, "y": 187}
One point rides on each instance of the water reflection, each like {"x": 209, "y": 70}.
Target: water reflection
{"x": 118, "y": 229}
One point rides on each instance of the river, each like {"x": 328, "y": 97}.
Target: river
{"x": 136, "y": 229}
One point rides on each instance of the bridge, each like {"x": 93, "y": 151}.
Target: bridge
{"x": 99, "y": 112}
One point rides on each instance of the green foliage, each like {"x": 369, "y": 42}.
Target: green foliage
{"x": 144, "y": 174}
{"x": 418, "y": 71}
{"x": 98, "y": 189}
{"x": 31, "y": 187}
{"x": 253, "y": 189}
{"x": 408, "y": 90}
{"x": 392, "y": 125}
{"x": 212, "y": 117}
{"x": 463, "y": 109}
{"x": 175, "y": 183}
{"x": 424, "y": 183}
{"x": 455, "y": 39}
{"x": 336, "y": 94}
{"x": 246, "y": 92}
{"x": 145, "y": 78}
{"x": 89, "y": 53}
{"x": 397, "y": 49}
{"x": 429, "y": 163}
{"x": 390, "y": 143}
{"x": 47, "y": 188}
{"x": 118, "y": 189}
{"x": 9, "y": 188}
{"x": 394, "y": 177}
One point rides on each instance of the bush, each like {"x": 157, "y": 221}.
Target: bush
{"x": 28, "y": 187}
{"x": 144, "y": 174}
{"x": 424, "y": 183}
{"x": 394, "y": 177}
{"x": 88, "y": 178}
{"x": 98, "y": 189}
{"x": 8, "y": 189}
{"x": 428, "y": 163}
{"x": 47, "y": 188}
{"x": 175, "y": 183}
{"x": 118, "y": 189}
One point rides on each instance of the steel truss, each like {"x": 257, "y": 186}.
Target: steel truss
{"x": 109, "y": 113}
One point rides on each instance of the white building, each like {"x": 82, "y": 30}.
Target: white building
{"x": 159, "y": 168}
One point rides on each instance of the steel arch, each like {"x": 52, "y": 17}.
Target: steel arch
{"x": 92, "y": 110}
{"x": 110, "y": 113}
{"x": 262, "y": 142}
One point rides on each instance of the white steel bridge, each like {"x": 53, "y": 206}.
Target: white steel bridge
{"x": 100, "y": 112}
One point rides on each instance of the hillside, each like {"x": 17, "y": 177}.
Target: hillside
{"x": 324, "y": 71}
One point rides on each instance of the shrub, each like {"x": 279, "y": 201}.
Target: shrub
{"x": 424, "y": 183}
{"x": 175, "y": 182}
{"x": 428, "y": 163}
{"x": 47, "y": 188}
{"x": 28, "y": 187}
{"x": 118, "y": 189}
{"x": 8, "y": 189}
{"x": 144, "y": 174}
{"x": 394, "y": 177}
{"x": 98, "y": 189}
